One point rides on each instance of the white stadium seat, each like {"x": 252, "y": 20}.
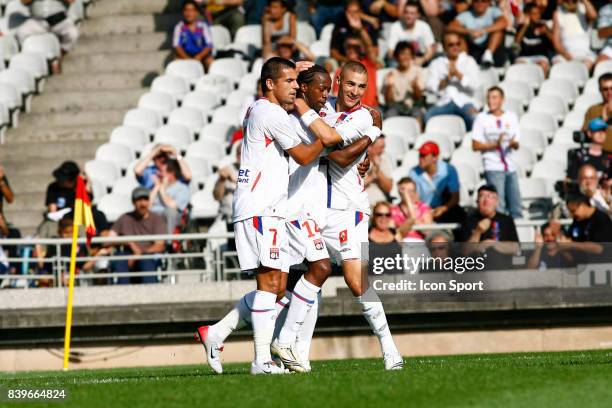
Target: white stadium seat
{"x": 306, "y": 34}
{"x": 551, "y": 170}
{"x": 395, "y": 147}
{"x": 320, "y": 48}
{"x": 529, "y": 73}
{"x": 189, "y": 70}
{"x": 465, "y": 198}
{"x": 521, "y": 91}
{"x": 591, "y": 86}
{"x": 443, "y": 141}
{"x": 10, "y": 96}
{"x": 34, "y": 64}
{"x": 249, "y": 34}
{"x": 585, "y": 101}
{"x": 402, "y": 126}
{"x": 467, "y": 155}
{"x": 104, "y": 171}
{"x": 232, "y": 68}
{"x": 220, "y": 132}
{"x": 159, "y": 102}
{"x": 451, "y": 125}
{"x": 561, "y": 88}
{"x": 115, "y": 205}
{"x": 239, "y": 98}
{"x": 46, "y": 44}
{"x": 177, "y": 136}
{"x": 557, "y": 152}
{"x": 175, "y": 86}
{"x": 573, "y": 120}
{"x": 534, "y": 139}
{"x": 221, "y": 36}
{"x": 574, "y": 71}
{"x": 468, "y": 175}
{"x": 125, "y": 185}
{"x": 533, "y": 188}
{"x": 514, "y": 105}
{"x": 23, "y": 80}
{"x": 133, "y": 137}
{"x": 200, "y": 168}
{"x": 8, "y": 47}
{"x": 326, "y": 32}
{"x": 145, "y": 119}
{"x": 219, "y": 84}
{"x": 256, "y": 67}
{"x": 191, "y": 118}
{"x": 249, "y": 82}
{"x": 525, "y": 158}
{"x": 210, "y": 150}
{"x": 410, "y": 159}
{"x": 119, "y": 154}
{"x": 602, "y": 68}
{"x": 544, "y": 122}
{"x": 564, "y": 136}
{"x": 203, "y": 205}
{"x": 229, "y": 115}
{"x": 551, "y": 105}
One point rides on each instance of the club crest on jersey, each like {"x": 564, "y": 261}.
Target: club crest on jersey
{"x": 274, "y": 253}
{"x": 318, "y": 244}
{"x": 343, "y": 237}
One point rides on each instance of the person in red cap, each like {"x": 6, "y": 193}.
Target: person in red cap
{"x": 437, "y": 183}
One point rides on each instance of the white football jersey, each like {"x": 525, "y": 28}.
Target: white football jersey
{"x": 307, "y": 186}
{"x": 345, "y": 187}
{"x": 263, "y": 177}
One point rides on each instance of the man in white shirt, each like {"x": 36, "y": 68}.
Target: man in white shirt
{"x": 496, "y": 133}
{"x": 453, "y": 78}
{"x": 417, "y": 32}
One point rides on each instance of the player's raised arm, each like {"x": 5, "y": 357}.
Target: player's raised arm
{"x": 326, "y": 134}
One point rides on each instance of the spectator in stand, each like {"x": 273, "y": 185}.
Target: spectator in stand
{"x": 589, "y": 224}
{"x": 604, "y": 31}
{"x": 495, "y": 231}
{"x": 192, "y": 38}
{"x": 550, "y": 250}
{"x": 571, "y": 25}
{"x": 416, "y": 32}
{"x": 227, "y": 13}
{"x": 324, "y": 12}
{"x": 597, "y": 192}
{"x": 5, "y": 191}
{"x": 441, "y": 12}
{"x": 276, "y": 23}
{"x": 378, "y": 179}
{"x": 358, "y": 49}
{"x": 382, "y": 230}
{"x": 60, "y": 193}
{"x": 226, "y": 185}
{"x": 170, "y": 196}
{"x": 602, "y": 110}
{"x": 437, "y": 184}
{"x": 385, "y": 11}
{"x": 534, "y": 38}
{"x": 288, "y": 48}
{"x": 453, "y": 78}
{"x": 154, "y": 164}
{"x": 352, "y": 24}
{"x": 483, "y": 26}
{"x": 496, "y": 134}
{"x": 548, "y": 8}
{"x": 410, "y": 211}
{"x": 593, "y": 154}
{"x": 49, "y": 15}
{"x": 141, "y": 221}
{"x": 404, "y": 85}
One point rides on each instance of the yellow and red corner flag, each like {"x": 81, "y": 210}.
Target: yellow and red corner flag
{"x": 82, "y": 216}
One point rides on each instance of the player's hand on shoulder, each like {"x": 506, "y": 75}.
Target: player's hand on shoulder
{"x": 376, "y": 116}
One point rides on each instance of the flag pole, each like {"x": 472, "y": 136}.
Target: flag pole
{"x": 73, "y": 253}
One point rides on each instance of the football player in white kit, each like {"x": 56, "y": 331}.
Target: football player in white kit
{"x": 259, "y": 206}
{"x": 346, "y": 226}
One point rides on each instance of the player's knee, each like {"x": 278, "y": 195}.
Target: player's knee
{"x": 354, "y": 284}
{"x": 320, "y": 270}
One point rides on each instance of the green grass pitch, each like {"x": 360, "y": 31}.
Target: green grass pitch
{"x": 569, "y": 379}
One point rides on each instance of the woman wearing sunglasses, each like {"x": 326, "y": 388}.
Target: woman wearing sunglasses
{"x": 382, "y": 230}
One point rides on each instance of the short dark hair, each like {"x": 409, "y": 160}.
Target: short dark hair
{"x": 306, "y": 77}
{"x": 495, "y": 88}
{"x": 577, "y": 198}
{"x": 604, "y": 77}
{"x": 272, "y": 70}
{"x": 172, "y": 166}
{"x": 401, "y": 46}
{"x": 448, "y": 34}
{"x": 354, "y": 66}
{"x": 411, "y": 3}
{"x": 192, "y": 2}
{"x": 405, "y": 180}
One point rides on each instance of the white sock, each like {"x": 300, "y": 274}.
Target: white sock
{"x": 374, "y": 313}
{"x": 487, "y": 56}
{"x": 282, "y": 307}
{"x": 263, "y": 315}
{"x": 237, "y": 318}
{"x": 304, "y": 297}
{"x": 304, "y": 337}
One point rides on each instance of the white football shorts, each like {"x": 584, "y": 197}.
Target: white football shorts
{"x": 305, "y": 242}
{"x": 261, "y": 241}
{"x": 344, "y": 233}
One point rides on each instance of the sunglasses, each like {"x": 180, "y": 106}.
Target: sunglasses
{"x": 378, "y": 214}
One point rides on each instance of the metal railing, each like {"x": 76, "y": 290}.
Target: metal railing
{"x": 210, "y": 260}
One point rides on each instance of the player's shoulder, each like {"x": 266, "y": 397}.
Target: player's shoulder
{"x": 329, "y": 107}
{"x": 265, "y": 109}
{"x": 362, "y": 115}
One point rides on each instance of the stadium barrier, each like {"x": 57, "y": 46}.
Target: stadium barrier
{"x": 198, "y": 257}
